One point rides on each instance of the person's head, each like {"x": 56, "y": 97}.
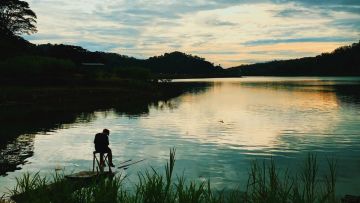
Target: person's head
{"x": 106, "y": 131}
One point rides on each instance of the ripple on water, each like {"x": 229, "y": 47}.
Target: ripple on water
{"x": 217, "y": 132}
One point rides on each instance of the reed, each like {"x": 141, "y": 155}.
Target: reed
{"x": 266, "y": 183}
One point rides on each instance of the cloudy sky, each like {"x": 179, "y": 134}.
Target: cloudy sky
{"x": 226, "y": 32}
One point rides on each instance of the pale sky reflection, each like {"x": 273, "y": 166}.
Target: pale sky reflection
{"x": 217, "y": 131}
{"x": 249, "y": 117}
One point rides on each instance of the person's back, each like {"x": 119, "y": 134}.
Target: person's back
{"x": 101, "y": 142}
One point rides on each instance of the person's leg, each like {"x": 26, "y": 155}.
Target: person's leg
{"x": 110, "y": 157}
{"x": 102, "y": 163}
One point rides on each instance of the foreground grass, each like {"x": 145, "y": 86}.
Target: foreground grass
{"x": 265, "y": 184}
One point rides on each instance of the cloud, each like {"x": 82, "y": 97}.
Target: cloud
{"x": 96, "y": 46}
{"x": 350, "y": 6}
{"x": 221, "y": 30}
{"x": 121, "y": 31}
{"x": 216, "y": 22}
{"x": 244, "y": 61}
{"x": 48, "y": 37}
{"x": 215, "y": 52}
{"x": 151, "y": 13}
{"x": 300, "y": 13}
{"x": 288, "y": 53}
{"x": 296, "y": 40}
{"x": 351, "y": 24}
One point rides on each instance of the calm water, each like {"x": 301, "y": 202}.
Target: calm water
{"x": 217, "y": 130}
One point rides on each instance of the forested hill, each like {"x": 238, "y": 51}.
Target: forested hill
{"x": 180, "y": 63}
{"x": 169, "y": 63}
{"x": 343, "y": 61}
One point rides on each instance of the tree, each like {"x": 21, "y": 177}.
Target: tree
{"x": 16, "y": 18}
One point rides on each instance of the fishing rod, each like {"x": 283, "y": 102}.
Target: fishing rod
{"x": 126, "y": 165}
{"x": 125, "y": 161}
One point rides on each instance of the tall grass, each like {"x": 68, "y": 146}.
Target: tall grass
{"x": 266, "y": 183}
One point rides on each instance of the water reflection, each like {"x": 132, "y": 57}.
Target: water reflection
{"x": 17, "y": 133}
{"x": 20, "y": 123}
{"x": 15, "y": 153}
{"x": 226, "y": 112}
{"x": 280, "y": 117}
{"x": 217, "y": 129}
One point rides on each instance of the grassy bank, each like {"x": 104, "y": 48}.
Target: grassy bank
{"x": 266, "y": 183}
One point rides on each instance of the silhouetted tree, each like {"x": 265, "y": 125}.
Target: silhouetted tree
{"x": 16, "y": 18}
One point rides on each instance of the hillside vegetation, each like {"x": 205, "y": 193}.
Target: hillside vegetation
{"x": 343, "y": 61}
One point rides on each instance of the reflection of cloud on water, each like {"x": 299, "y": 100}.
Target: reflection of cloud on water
{"x": 233, "y": 122}
{"x": 252, "y": 116}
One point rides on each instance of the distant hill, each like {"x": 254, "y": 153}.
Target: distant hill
{"x": 169, "y": 63}
{"x": 180, "y": 63}
{"x": 343, "y": 61}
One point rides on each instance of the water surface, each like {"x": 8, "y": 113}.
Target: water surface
{"x": 217, "y": 130}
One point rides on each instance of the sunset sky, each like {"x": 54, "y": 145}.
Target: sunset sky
{"x": 226, "y": 32}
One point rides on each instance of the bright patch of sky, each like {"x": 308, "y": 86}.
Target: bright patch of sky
{"x": 225, "y": 32}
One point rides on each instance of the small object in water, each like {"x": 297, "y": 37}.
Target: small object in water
{"x": 221, "y": 121}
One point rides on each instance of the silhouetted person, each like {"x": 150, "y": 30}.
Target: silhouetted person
{"x": 101, "y": 142}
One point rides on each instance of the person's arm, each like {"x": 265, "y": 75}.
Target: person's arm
{"x": 107, "y": 140}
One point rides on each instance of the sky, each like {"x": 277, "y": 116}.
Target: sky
{"x": 225, "y": 32}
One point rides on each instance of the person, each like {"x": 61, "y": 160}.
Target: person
{"x": 101, "y": 142}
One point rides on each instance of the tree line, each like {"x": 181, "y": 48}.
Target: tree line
{"x": 343, "y": 61}
{"x": 20, "y": 59}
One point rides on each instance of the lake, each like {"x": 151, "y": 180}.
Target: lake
{"x": 217, "y": 128}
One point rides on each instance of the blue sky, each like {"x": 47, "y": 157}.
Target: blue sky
{"x": 226, "y": 32}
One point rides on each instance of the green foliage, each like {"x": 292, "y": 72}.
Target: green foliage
{"x": 169, "y": 63}
{"x": 266, "y": 183}
{"x": 190, "y": 193}
{"x": 343, "y": 61}
{"x": 28, "y": 186}
{"x": 16, "y": 18}
{"x": 29, "y": 183}
{"x": 180, "y": 63}
{"x": 31, "y": 66}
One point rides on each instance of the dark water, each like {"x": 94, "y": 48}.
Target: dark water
{"x": 217, "y": 129}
